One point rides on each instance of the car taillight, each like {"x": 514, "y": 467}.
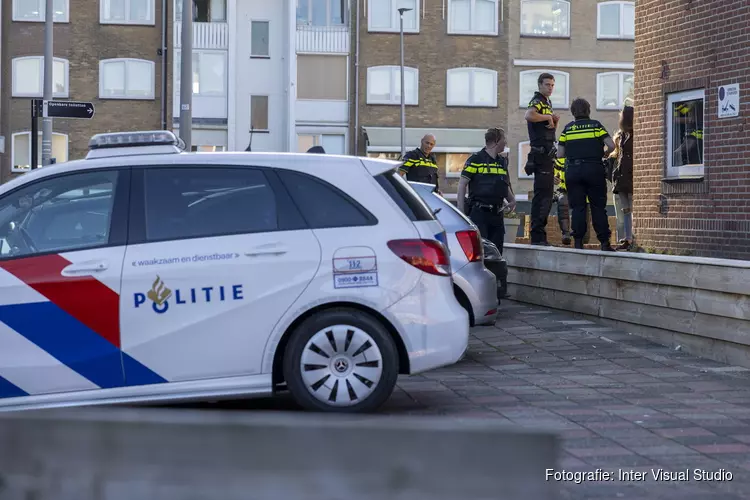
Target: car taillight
{"x": 429, "y": 256}
{"x": 471, "y": 244}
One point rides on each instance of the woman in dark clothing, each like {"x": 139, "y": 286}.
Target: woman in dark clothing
{"x": 622, "y": 177}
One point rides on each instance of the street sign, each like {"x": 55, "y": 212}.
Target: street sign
{"x": 729, "y": 101}
{"x": 69, "y": 109}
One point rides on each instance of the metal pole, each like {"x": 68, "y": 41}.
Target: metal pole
{"x": 403, "y": 90}
{"x": 35, "y": 105}
{"x": 164, "y": 67}
{"x": 48, "y": 58}
{"x": 186, "y": 75}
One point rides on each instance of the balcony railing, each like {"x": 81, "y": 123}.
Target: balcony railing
{"x": 323, "y": 39}
{"x": 205, "y": 35}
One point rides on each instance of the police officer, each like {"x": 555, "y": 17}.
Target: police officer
{"x": 582, "y": 144}
{"x": 542, "y": 123}
{"x": 420, "y": 165}
{"x": 485, "y": 173}
{"x": 561, "y": 198}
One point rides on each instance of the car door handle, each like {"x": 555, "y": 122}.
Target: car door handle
{"x": 270, "y": 249}
{"x": 92, "y": 266}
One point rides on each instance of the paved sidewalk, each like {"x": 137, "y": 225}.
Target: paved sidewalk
{"x": 620, "y": 402}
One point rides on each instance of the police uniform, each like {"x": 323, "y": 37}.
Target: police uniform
{"x": 561, "y": 198}
{"x": 541, "y": 166}
{"x": 586, "y": 177}
{"x": 420, "y": 167}
{"x": 692, "y": 134}
{"x": 489, "y": 185}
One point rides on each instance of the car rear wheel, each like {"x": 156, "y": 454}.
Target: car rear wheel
{"x": 341, "y": 360}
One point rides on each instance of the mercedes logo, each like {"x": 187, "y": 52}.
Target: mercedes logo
{"x": 341, "y": 365}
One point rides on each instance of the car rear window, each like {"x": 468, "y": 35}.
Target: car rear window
{"x": 409, "y": 202}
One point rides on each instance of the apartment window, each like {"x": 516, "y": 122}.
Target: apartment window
{"x": 384, "y": 85}
{"x": 685, "y": 134}
{"x": 209, "y": 73}
{"x": 127, "y": 12}
{"x": 471, "y": 87}
{"x": 472, "y": 17}
{"x": 28, "y": 77}
{"x": 529, "y": 84}
{"x": 383, "y": 15}
{"x": 21, "y": 150}
{"x": 321, "y": 12}
{"x": 259, "y": 42}
{"x": 616, "y": 20}
{"x": 203, "y": 148}
{"x": 322, "y": 77}
{"x": 545, "y": 18}
{"x": 204, "y": 11}
{"x": 35, "y": 10}
{"x": 126, "y": 79}
{"x": 334, "y": 144}
{"x": 524, "y": 148}
{"x": 259, "y": 112}
{"x": 454, "y": 163}
{"x": 612, "y": 89}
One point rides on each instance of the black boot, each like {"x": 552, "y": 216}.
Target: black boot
{"x": 606, "y": 247}
{"x": 566, "y": 239}
{"x": 579, "y": 243}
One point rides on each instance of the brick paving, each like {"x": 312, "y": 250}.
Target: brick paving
{"x": 619, "y": 402}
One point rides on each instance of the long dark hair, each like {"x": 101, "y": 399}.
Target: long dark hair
{"x": 626, "y": 119}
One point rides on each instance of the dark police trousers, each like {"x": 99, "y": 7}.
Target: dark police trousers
{"x": 541, "y": 203}
{"x": 588, "y": 179}
{"x": 491, "y": 224}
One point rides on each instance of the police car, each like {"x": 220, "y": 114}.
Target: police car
{"x": 144, "y": 273}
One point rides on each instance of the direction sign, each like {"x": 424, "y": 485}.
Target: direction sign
{"x": 69, "y": 109}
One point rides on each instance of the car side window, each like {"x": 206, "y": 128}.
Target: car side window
{"x": 61, "y": 214}
{"x": 198, "y": 202}
{"x": 322, "y": 205}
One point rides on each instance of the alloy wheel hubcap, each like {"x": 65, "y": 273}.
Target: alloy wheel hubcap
{"x": 341, "y": 365}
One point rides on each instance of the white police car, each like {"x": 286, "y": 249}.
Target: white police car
{"x": 143, "y": 273}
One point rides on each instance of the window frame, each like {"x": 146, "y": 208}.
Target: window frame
{"x": 472, "y": 16}
{"x": 199, "y": 53}
{"x": 620, "y": 89}
{"x": 126, "y": 60}
{"x": 534, "y": 35}
{"x": 522, "y": 159}
{"x": 471, "y": 98}
{"x": 395, "y": 72}
{"x": 688, "y": 171}
{"x": 257, "y": 56}
{"x": 118, "y": 221}
{"x": 524, "y": 103}
{"x": 13, "y": 136}
{"x": 40, "y": 60}
{"x": 41, "y": 19}
{"x": 318, "y": 134}
{"x": 308, "y": 21}
{"x": 129, "y": 22}
{"x": 621, "y": 35}
{"x": 268, "y": 114}
{"x": 395, "y": 22}
{"x": 288, "y": 216}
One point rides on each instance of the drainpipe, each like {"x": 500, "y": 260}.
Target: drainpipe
{"x": 164, "y": 97}
{"x": 356, "y": 86}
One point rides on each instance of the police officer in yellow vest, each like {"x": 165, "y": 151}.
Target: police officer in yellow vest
{"x": 561, "y": 198}
{"x": 420, "y": 165}
{"x": 485, "y": 174}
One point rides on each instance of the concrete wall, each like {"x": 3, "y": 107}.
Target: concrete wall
{"x": 113, "y": 454}
{"x": 699, "y": 303}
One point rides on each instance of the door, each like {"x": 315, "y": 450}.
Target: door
{"x": 61, "y": 252}
{"x": 216, "y": 260}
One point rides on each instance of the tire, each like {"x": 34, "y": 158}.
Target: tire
{"x": 341, "y": 371}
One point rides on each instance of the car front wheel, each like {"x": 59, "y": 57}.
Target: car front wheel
{"x": 341, "y": 360}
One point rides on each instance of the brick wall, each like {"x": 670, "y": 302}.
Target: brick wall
{"x": 83, "y": 42}
{"x": 682, "y": 45}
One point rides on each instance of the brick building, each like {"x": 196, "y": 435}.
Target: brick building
{"x": 106, "y": 52}
{"x": 692, "y": 174}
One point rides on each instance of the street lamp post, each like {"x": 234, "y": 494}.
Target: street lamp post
{"x": 403, "y": 89}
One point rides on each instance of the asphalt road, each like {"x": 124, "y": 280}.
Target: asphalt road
{"x": 619, "y": 402}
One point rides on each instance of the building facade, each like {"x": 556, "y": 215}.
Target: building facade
{"x": 105, "y": 51}
{"x": 268, "y": 76}
{"x": 692, "y": 176}
{"x": 455, "y": 60}
{"x": 587, "y": 46}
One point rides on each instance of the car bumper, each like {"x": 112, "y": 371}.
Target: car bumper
{"x": 480, "y": 286}
{"x": 433, "y": 325}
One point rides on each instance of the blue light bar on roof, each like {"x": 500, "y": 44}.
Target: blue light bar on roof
{"x": 133, "y": 139}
